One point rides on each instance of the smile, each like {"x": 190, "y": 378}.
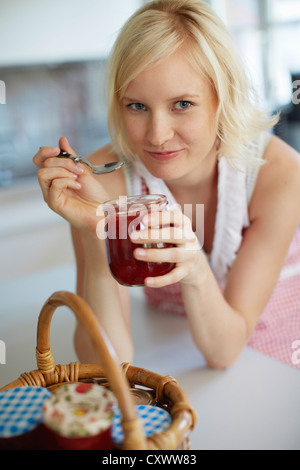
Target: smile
{"x": 164, "y": 156}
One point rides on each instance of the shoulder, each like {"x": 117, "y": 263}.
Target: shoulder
{"x": 274, "y": 214}
{"x": 282, "y": 162}
{"x": 278, "y": 182}
{"x": 280, "y": 156}
{"x": 102, "y": 155}
{"x": 114, "y": 182}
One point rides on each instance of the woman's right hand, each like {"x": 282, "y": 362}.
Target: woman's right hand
{"x": 70, "y": 189}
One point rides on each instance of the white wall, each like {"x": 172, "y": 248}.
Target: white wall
{"x": 43, "y": 31}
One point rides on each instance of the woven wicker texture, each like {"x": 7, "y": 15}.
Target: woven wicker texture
{"x": 124, "y": 380}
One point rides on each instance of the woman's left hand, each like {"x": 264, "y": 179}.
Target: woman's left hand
{"x": 174, "y": 228}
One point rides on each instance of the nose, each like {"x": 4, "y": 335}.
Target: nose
{"x": 160, "y": 130}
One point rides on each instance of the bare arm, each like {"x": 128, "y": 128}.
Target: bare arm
{"x": 109, "y": 300}
{"x": 74, "y": 193}
{"x": 224, "y": 323}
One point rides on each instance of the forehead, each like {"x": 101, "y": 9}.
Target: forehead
{"x": 174, "y": 76}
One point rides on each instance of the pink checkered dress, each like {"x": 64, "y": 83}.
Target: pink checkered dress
{"x": 277, "y": 333}
{"x": 278, "y": 330}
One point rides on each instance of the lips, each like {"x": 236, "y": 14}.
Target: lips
{"x": 166, "y": 155}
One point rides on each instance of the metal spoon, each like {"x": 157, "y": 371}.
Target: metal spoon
{"x": 97, "y": 169}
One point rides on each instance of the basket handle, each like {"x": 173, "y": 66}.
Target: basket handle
{"x": 134, "y": 437}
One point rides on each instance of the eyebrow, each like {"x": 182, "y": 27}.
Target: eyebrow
{"x": 182, "y": 97}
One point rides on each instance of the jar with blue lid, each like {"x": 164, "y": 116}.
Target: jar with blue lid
{"x": 21, "y": 417}
{"x": 155, "y": 420}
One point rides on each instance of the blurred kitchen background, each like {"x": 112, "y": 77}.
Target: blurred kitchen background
{"x": 52, "y": 62}
{"x": 52, "y": 70}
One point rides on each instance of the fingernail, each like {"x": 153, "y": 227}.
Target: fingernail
{"x": 79, "y": 169}
{"x": 140, "y": 253}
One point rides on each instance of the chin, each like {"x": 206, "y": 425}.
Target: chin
{"x": 164, "y": 171}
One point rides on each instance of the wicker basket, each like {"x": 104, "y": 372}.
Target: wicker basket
{"x": 123, "y": 380}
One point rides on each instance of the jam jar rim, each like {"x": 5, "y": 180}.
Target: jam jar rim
{"x": 153, "y": 200}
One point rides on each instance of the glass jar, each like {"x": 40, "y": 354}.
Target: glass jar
{"x": 21, "y": 418}
{"x": 79, "y": 416}
{"x": 122, "y": 217}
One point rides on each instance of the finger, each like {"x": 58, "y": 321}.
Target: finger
{"x": 56, "y": 191}
{"x": 59, "y": 184}
{"x": 173, "y": 235}
{"x": 43, "y": 154}
{"x": 46, "y": 177}
{"x": 65, "y": 146}
{"x": 160, "y": 218}
{"x": 66, "y": 163}
{"x": 46, "y": 152}
{"x": 165, "y": 255}
{"x": 178, "y": 273}
{"x": 56, "y": 197}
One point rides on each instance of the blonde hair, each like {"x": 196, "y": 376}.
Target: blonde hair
{"x": 159, "y": 29}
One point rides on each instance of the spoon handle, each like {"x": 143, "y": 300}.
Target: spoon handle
{"x": 75, "y": 158}
{"x": 68, "y": 155}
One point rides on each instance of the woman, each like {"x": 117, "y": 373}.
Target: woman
{"x": 181, "y": 113}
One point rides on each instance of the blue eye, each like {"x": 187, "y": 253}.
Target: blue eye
{"x": 137, "y": 106}
{"x": 183, "y": 104}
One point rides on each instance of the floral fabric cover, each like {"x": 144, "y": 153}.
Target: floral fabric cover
{"x": 79, "y": 410}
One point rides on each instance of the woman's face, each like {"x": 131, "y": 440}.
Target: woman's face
{"x": 169, "y": 115}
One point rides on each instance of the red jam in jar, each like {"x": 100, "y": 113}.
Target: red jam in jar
{"x": 21, "y": 418}
{"x": 122, "y": 217}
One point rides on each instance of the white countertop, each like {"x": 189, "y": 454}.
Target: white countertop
{"x": 253, "y": 405}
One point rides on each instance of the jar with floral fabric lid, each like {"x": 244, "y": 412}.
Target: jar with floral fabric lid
{"x": 78, "y": 416}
